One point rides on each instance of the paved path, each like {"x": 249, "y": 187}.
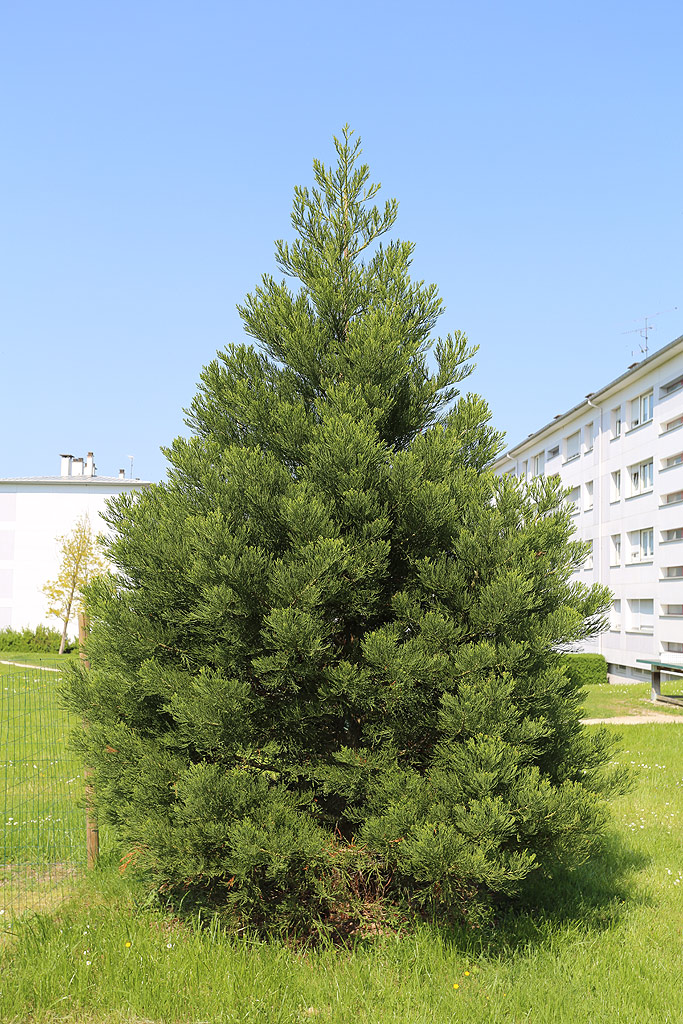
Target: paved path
{"x": 654, "y": 716}
{"x": 20, "y": 664}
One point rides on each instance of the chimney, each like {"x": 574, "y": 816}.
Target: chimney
{"x": 90, "y": 465}
{"x": 122, "y": 474}
{"x": 77, "y": 467}
{"x": 66, "y": 464}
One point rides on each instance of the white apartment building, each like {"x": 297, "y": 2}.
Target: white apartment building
{"x": 620, "y": 451}
{"x": 34, "y": 512}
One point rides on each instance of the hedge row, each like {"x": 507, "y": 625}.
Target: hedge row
{"x": 41, "y": 639}
{"x": 586, "y": 669}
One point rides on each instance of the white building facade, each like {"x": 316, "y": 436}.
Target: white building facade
{"x": 34, "y": 512}
{"x": 620, "y": 452}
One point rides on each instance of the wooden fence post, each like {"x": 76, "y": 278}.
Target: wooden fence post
{"x": 92, "y": 831}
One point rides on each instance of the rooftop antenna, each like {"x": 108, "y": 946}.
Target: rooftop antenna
{"x": 644, "y": 331}
{"x": 131, "y": 457}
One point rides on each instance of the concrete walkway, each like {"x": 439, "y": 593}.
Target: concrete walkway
{"x": 654, "y": 716}
{"x": 20, "y": 664}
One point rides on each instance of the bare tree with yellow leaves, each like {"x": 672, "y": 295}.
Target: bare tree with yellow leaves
{"x": 81, "y": 560}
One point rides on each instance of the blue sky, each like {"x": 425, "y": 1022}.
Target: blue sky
{"x": 150, "y": 151}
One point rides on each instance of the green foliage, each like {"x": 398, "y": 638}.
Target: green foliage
{"x": 326, "y": 675}
{"x": 40, "y": 639}
{"x": 586, "y": 669}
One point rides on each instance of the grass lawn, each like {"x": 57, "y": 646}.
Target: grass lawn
{"x": 608, "y": 701}
{"x": 31, "y": 658}
{"x": 41, "y": 783}
{"x": 607, "y": 947}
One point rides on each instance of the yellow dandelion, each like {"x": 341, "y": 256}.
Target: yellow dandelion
{"x": 467, "y": 974}
{"x": 128, "y": 943}
{"x": 455, "y": 985}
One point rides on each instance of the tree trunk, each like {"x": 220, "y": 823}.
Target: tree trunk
{"x": 67, "y": 616}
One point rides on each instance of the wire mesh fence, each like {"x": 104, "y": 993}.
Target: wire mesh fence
{"x": 43, "y": 847}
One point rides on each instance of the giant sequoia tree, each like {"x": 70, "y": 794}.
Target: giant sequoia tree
{"x": 328, "y": 662}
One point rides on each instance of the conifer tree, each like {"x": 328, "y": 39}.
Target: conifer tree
{"x": 329, "y": 664}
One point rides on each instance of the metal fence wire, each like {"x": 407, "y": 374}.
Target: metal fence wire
{"x": 43, "y": 846}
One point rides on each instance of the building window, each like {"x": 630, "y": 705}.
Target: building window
{"x": 674, "y": 498}
{"x": 672, "y": 424}
{"x": 574, "y": 498}
{"x": 615, "y": 616}
{"x": 672, "y": 386}
{"x": 675, "y": 534}
{"x": 615, "y": 549}
{"x": 588, "y": 564}
{"x": 572, "y": 445}
{"x": 525, "y": 469}
{"x": 642, "y": 545}
{"x": 539, "y": 464}
{"x": 641, "y": 615}
{"x": 641, "y": 477}
{"x": 588, "y": 437}
{"x": 647, "y": 544}
{"x": 672, "y": 572}
{"x": 616, "y": 486}
{"x": 588, "y": 503}
{"x": 616, "y": 422}
{"x": 673, "y": 647}
{"x": 673, "y": 460}
{"x": 554, "y": 452}
{"x": 641, "y": 409}
{"x": 673, "y": 610}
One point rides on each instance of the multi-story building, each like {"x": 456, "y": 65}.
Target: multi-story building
{"x": 620, "y": 453}
{"x": 34, "y": 512}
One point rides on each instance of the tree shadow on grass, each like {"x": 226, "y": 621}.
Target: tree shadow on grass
{"x": 590, "y": 898}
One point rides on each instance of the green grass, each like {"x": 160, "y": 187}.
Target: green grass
{"x": 31, "y": 658}
{"x": 606, "y": 948}
{"x": 610, "y": 701}
{"x": 42, "y": 842}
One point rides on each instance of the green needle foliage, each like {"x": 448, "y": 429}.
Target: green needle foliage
{"x": 326, "y": 677}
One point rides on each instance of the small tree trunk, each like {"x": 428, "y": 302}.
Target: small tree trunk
{"x": 67, "y": 616}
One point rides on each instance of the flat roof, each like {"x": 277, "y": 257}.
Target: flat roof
{"x": 75, "y": 481}
{"x": 656, "y": 357}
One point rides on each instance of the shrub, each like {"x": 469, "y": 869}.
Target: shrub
{"x": 41, "y": 640}
{"x": 586, "y": 669}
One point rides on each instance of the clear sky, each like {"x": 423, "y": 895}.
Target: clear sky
{"x": 150, "y": 150}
